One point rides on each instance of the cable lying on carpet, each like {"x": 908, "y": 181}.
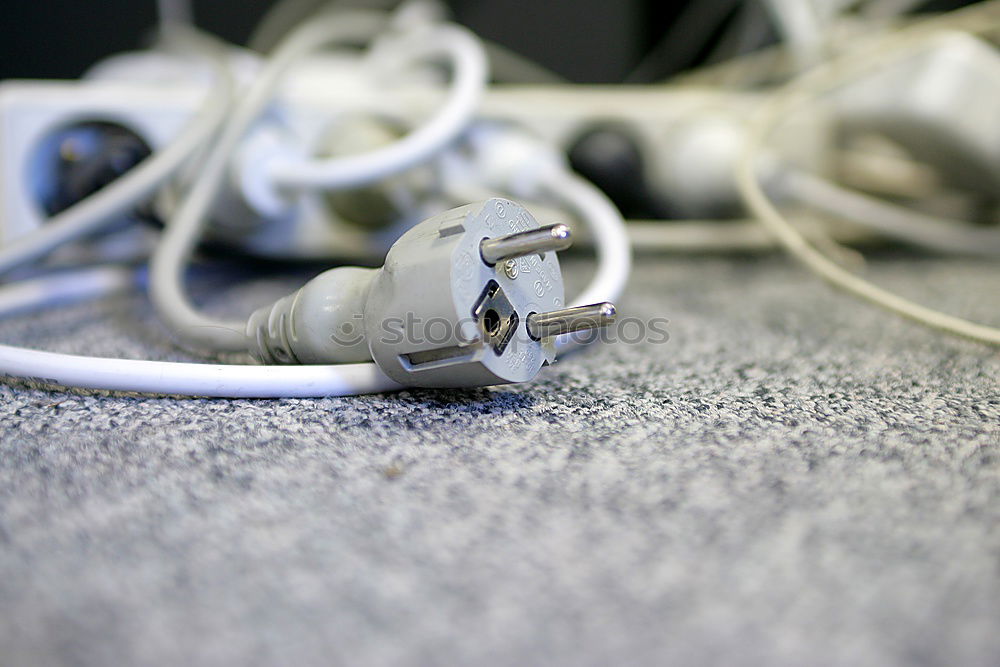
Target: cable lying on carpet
{"x": 504, "y": 329}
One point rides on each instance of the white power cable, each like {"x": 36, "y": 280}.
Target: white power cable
{"x": 984, "y": 16}
{"x": 212, "y": 380}
{"x": 726, "y": 236}
{"x": 174, "y": 13}
{"x": 889, "y": 219}
{"x": 162, "y": 377}
{"x": 65, "y": 287}
{"x": 183, "y": 231}
{"x": 602, "y": 220}
{"x": 803, "y": 27}
{"x": 470, "y": 75}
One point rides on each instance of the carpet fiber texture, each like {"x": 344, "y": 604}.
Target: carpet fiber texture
{"x": 793, "y": 478}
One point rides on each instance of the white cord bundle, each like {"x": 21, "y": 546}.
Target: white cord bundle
{"x": 469, "y": 77}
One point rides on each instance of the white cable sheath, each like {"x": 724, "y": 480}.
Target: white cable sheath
{"x": 238, "y": 381}
{"x": 64, "y": 287}
{"x": 210, "y": 380}
{"x": 173, "y": 13}
{"x": 235, "y": 381}
{"x": 803, "y": 28}
{"x": 162, "y": 377}
{"x": 470, "y": 75}
{"x": 898, "y": 222}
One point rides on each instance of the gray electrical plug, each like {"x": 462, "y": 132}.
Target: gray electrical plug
{"x": 470, "y": 297}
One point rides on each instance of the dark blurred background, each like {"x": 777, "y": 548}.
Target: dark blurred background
{"x": 583, "y": 40}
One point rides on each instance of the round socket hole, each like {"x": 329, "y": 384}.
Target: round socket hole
{"x": 74, "y": 161}
{"x": 491, "y": 322}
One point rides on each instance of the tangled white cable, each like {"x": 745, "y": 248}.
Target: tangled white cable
{"x": 469, "y": 76}
{"x": 467, "y": 60}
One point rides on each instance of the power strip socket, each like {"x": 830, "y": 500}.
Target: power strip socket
{"x": 155, "y": 96}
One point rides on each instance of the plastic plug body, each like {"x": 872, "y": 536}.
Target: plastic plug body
{"x": 450, "y": 307}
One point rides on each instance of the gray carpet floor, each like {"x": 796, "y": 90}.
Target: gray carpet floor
{"x": 793, "y": 478}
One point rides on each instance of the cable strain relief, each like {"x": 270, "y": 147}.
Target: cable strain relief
{"x": 253, "y": 167}
{"x": 268, "y": 333}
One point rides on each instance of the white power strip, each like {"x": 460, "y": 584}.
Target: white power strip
{"x": 154, "y": 96}
{"x": 125, "y": 93}
{"x": 940, "y": 97}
